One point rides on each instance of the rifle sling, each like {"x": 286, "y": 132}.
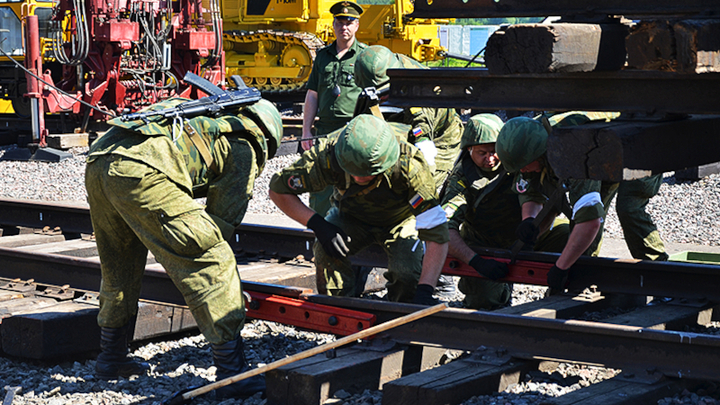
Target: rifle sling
{"x": 201, "y": 147}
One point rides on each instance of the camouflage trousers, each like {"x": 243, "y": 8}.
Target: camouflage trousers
{"x": 481, "y": 293}
{"x": 135, "y": 208}
{"x": 641, "y": 234}
{"x": 399, "y": 241}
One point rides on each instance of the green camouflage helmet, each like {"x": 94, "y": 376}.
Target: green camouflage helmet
{"x": 520, "y": 142}
{"x": 480, "y": 129}
{"x": 372, "y": 64}
{"x": 267, "y": 117}
{"x": 366, "y": 146}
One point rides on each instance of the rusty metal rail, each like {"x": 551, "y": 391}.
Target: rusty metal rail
{"x": 525, "y": 8}
{"x": 674, "y": 354}
{"x": 640, "y": 91}
{"x": 669, "y": 279}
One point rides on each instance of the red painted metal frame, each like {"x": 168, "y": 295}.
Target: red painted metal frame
{"x": 522, "y": 271}
{"x": 304, "y": 314}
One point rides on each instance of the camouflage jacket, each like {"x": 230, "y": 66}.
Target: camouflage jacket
{"x": 481, "y": 205}
{"x": 440, "y": 125}
{"x": 406, "y": 189}
{"x": 166, "y": 146}
{"x": 538, "y": 188}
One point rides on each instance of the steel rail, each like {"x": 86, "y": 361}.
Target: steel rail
{"x": 529, "y": 8}
{"x": 668, "y": 279}
{"x": 636, "y": 91}
{"x": 674, "y": 354}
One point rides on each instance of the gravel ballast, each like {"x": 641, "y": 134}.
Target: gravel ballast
{"x": 684, "y": 213}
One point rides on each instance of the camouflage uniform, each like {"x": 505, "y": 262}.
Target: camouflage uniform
{"x": 382, "y": 212}
{"x": 588, "y": 199}
{"x": 142, "y": 180}
{"x": 483, "y": 207}
{"x": 442, "y": 126}
{"x": 641, "y": 234}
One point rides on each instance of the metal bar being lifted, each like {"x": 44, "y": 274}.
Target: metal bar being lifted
{"x": 630, "y": 91}
{"x": 529, "y": 8}
{"x": 676, "y": 354}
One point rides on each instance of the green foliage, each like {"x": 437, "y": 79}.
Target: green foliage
{"x": 497, "y": 21}
{"x": 453, "y": 63}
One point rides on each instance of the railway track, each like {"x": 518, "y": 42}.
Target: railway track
{"x": 658, "y": 347}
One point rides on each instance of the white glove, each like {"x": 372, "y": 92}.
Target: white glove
{"x": 429, "y": 151}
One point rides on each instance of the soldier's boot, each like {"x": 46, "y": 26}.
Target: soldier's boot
{"x": 113, "y": 360}
{"x": 229, "y": 359}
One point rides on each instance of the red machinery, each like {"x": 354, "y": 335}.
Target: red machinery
{"x": 122, "y": 55}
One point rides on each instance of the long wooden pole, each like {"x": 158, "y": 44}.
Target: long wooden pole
{"x": 316, "y": 350}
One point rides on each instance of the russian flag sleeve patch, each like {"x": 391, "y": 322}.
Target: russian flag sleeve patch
{"x": 417, "y": 131}
{"x": 416, "y": 200}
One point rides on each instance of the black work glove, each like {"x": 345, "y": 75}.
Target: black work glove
{"x": 331, "y": 237}
{"x": 527, "y": 232}
{"x": 423, "y": 295}
{"x": 489, "y": 268}
{"x": 557, "y": 278}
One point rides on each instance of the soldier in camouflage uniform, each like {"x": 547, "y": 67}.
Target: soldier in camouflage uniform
{"x": 522, "y": 146}
{"x": 483, "y": 212}
{"x": 142, "y": 179}
{"x": 331, "y": 89}
{"x": 435, "y": 131}
{"x": 641, "y": 234}
{"x": 383, "y": 194}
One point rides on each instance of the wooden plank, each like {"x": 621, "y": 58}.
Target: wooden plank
{"x": 685, "y": 46}
{"x": 313, "y": 380}
{"x": 698, "y": 45}
{"x": 651, "y": 46}
{"x": 156, "y": 320}
{"x": 562, "y": 47}
{"x": 454, "y": 382}
{"x": 615, "y": 391}
{"x": 665, "y": 316}
{"x": 68, "y": 328}
{"x": 67, "y": 141}
{"x": 622, "y": 149}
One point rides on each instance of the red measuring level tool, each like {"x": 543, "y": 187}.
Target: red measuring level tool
{"x": 521, "y": 271}
{"x": 303, "y": 314}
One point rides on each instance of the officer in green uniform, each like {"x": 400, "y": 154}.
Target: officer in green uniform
{"x": 142, "y": 178}
{"x": 641, "y": 234}
{"x": 383, "y": 194}
{"x": 484, "y": 212}
{"x": 435, "y": 131}
{"x": 331, "y": 89}
{"x": 522, "y": 146}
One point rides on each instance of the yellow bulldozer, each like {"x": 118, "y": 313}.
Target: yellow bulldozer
{"x": 272, "y": 43}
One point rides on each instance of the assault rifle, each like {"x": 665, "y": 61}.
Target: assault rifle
{"x": 217, "y": 102}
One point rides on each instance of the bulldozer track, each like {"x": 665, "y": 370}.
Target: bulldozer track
{"x": 310, "y": 43}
